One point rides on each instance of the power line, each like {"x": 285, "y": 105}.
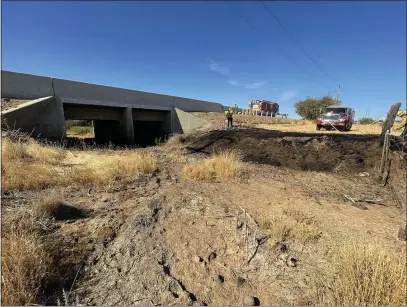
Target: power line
{"x": 274, "y": 46}
{"x": 295, "y": 41}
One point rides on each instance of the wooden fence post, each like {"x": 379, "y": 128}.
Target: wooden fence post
{"x": 388, "y": 123}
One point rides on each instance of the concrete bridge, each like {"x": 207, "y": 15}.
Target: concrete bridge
{"x": 119, "y": 115}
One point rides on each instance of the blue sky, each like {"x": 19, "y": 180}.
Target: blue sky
{"x": 205, "y": 50}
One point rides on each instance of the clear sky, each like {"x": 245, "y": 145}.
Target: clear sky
{"x": 205, "y": 50}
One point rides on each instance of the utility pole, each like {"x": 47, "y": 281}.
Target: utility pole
{"x": 338, "y": 93}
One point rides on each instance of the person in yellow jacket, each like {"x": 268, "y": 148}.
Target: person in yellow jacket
{"x": 229, "y": 116}
{"x": 403, "y": 124}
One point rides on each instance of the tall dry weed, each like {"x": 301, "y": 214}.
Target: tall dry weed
{"x": 292, "y": 224}
{"x": 25, "y": 264}
{"x": 29, "y": 165}
{"x": 223, "y": 165}
{"x": 363, "y": 274}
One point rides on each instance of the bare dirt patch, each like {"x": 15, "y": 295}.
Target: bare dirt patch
{"x": 265, "y": 238}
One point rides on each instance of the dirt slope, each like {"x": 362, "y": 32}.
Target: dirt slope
{"x": 162, "y": 239}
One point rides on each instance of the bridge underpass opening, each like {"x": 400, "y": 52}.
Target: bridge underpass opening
{"x": 100, "y": 124}
{"x": 150, "y": 126}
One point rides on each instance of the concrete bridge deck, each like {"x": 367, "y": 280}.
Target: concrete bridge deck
{"x": 117, "y": 113}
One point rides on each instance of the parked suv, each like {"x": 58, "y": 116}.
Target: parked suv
{"x": 341, "y": 118}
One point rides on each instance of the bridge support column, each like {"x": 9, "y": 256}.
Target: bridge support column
{"x": 116, "y": 131}
{"x": 126, "y": 125}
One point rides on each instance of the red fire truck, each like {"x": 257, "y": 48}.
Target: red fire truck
{"x": 264, "y": 107}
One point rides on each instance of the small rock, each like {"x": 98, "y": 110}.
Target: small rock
{"x": 105, "y": 199}
{"x": 211, "y": 256}
{"x": 365, "y": 174}
{"x": 90, "y": 247}
{"x": 239, "y": 225}
{"x": 239, "y": 281}
{"x": 198, "y": 259}
{"x": 292, "y": 262}
{"x": 251, "y": 301}
{"x": 220, "y": 279}
{"x": 283, "y": 257}
{"x": 280, "y": 247}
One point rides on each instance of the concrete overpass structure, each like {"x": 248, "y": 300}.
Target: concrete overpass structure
{"x": 119, "y": 115}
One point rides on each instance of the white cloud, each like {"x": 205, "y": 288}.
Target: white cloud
{"x": 252, "y": 86}
{"x": 287, "y": 95}
{"x": 214, "y": 66}
{"x": 220, "y": 69}
{"x": 233, "y": 82}
{"x": 255, "y": 85}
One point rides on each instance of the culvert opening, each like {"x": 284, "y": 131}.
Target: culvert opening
{"x": 79, "y": 129}
{"x": 148, "y": 133}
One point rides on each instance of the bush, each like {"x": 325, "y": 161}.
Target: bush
{"x": 310, "y": 108}
{"x": 364, "y": 275}
{"x": 29, "y": 165}
{"x": 366, "y": 121}
{"x": 71, "y": 123}
{"x": 80, "y": 130}
{"x": 25, "y": 263}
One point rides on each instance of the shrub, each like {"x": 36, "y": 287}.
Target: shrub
{"x": 24, "y": 265}
{"x": 310, "y": 108}
{"x": 224, "y": 165}
{"x": 80, "y": 130}
{"x": 34, "y": 166}
{"x": 364, "y": 274}
{"x": 366, "y": 121}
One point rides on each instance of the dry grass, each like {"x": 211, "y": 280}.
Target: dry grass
{"x": 364, "y": 274}
{"x": 223, "y": 165}
{"x": 80, "y": 130}
{"x": 265, "y": 120}
{"x": 293, "y": 224}
{"x": 310, "y": 127}
{"x": 29, "y": 165}
{"x": 24, "y": 265}
{"x": 124, "y": 166}
{"x": 46, "y": 207}
{"x": 284, "y": 124}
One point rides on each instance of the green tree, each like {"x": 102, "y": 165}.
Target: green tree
{"x": 310, "y": 108}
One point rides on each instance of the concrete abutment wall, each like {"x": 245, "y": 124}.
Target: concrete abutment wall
{"x": 120, "y": 115}
{"x": 42, "y": 117}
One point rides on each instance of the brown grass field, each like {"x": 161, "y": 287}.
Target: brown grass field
{"x": 258, "y": 215}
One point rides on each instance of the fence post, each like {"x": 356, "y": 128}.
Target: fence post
{"x": 388, "y": 123}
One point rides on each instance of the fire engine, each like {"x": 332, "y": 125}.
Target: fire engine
{"x": 264, "y": 107}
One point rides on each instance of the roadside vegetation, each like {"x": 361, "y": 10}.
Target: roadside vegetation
{"x": 357, "y": 271}
{"x": 79, "y": 127}
{"x": 310, "y": 108}
{"x": 366, "y": 121}
{"x": 224, "y": 165}
{"x": 80, "y": 130}
{"x": 364, "y": 274}
{"x": 28, "y": 165}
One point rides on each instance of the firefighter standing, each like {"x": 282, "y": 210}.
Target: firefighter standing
{"x": 229, "y": 116}
{"x": 403, "y": 124}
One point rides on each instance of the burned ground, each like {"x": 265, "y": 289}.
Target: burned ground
{"x": 264, "y": 238}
